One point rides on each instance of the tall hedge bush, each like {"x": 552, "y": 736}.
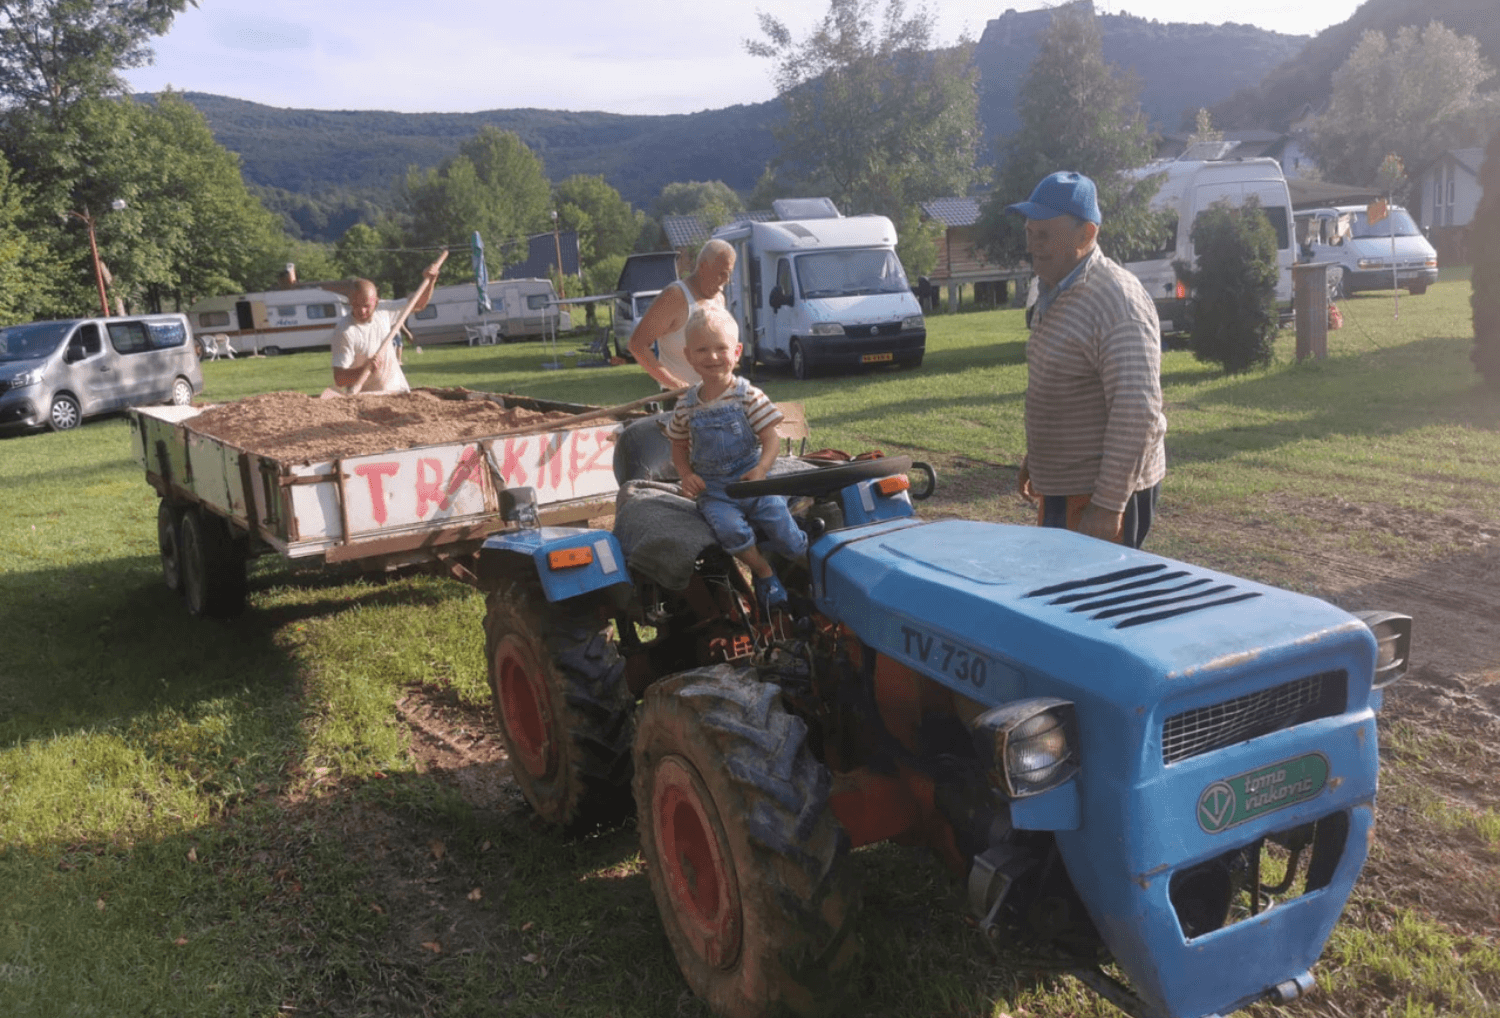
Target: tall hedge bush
{"x": 1234, "y": 316}
{"x": 1484, "y": 251}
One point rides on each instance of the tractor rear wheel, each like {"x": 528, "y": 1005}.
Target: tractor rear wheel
{"x": 747, "y": 862}
{"x": 565, "y": 710}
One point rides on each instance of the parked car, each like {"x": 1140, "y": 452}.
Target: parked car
{"x": 1388, "y": 254}
{"x": 54, "y": 374}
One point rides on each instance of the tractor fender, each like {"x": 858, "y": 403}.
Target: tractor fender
{"x": 568, "y": 561}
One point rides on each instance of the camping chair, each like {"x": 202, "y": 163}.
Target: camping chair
{"x": 219, "y": 345}
{"x": 596, "y": 354}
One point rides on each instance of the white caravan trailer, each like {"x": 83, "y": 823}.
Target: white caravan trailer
{"x": 518, "y": 308}
{"x": 814, "y": 289}
{"x": 1190, "y": 187}
{"x": 270, "y": 322}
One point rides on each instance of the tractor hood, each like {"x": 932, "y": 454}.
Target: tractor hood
{"x": 1002, "y": 612}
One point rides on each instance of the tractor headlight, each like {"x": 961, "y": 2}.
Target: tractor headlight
{"x": 826, "y": 329}
{"x": 1030, "y": 746}
{"x": 1393, "y": 641}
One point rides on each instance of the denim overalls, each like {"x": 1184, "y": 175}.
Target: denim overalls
{"x": 722, "y": 450}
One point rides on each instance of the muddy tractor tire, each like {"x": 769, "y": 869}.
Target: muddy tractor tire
{"x": 748, "y": 865}
{"x": 565, "y": 711}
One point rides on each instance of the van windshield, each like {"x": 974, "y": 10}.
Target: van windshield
{"x": 1397, "y": 223}
{"x": 32, "y": 342}
{"x": 850, "y": 273}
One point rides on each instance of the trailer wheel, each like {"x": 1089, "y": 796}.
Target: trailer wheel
{"x": 169, "y": 543}
{"x": 65, "y": 414}
{"x": 566, "y": 712}
{"x": 213, "y": 566}
{"x": 747, "y": 863}
{"x": 270, "y": 351}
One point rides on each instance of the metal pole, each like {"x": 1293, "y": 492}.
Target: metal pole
{"x": 562, "y": 289}
{"x": 98, "y": 269}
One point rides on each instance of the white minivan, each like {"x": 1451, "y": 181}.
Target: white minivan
{"x": 55, "y": 374}
{"x": 1389, "y": 254}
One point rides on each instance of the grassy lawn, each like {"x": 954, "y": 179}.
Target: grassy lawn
{"x": 205, "y": 818}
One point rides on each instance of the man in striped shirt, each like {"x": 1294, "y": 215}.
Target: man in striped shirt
{"x": 1095, "y": 456}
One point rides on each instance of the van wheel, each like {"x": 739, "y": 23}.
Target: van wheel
{"x": 182, "y": 392}
{"x": 800, "y": 368}
{"x": 65, "y": 414}
{"x": 1336, "y": 284}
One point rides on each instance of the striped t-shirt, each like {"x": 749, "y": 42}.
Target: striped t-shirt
{"x": 1094, "y": 420}
{"x": 759, "y": 410}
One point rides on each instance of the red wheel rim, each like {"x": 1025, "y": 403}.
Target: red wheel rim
{"x": 525, "y": 708}
{"x": 695, "y": 862}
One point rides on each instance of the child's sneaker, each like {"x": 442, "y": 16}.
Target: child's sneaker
{"x": 769, "y": 593}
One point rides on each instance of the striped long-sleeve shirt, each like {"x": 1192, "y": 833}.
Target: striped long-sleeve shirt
{"x": 1094, "y": 420}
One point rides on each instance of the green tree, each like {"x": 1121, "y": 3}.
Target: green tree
{"x": 713, "y": 201}
{"x": 495, "y": 185}
{"x": 605, "y": 222}
{"x": 54, "y": 53}
{"x": 1235, "y": 319}
{"x": 1413, "y": 96}
{"x": 1077, "y": 113}
{"x": 875, "y": 119}
{"x": 27, "y": 268}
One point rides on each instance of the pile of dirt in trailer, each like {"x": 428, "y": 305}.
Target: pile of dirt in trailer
{"x": 293, "y": 427}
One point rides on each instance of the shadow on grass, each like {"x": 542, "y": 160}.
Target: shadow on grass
{"x": 1373, "y": 394}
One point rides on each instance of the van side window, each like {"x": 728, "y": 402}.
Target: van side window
{"x": 128, "y": 337}
{"x": 166, "y": 335}
{"x": 85, "y": 343}
{"x": 784, "y": 276}
{"x": 429, "y": 312}
{"x": 211, "y": 319}
{"x": 321, "y": 311}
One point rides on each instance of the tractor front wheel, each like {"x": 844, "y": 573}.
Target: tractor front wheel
{"x": 747, "y": 862}
{"x": 565, "y": 710}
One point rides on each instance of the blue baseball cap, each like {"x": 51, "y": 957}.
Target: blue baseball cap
{"x": 1059, "y": 193}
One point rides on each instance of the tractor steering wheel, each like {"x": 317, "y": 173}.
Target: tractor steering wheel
{"x": 823, "y": 481}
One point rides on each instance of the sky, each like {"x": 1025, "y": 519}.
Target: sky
{"x": 642, "y": 56}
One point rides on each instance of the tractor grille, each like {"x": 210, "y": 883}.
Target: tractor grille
{"x": 1145, "y": 594}
{"x": 1205, "y": 729}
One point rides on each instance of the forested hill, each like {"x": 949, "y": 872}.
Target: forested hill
{"x": 1306, "y": 79}
{"x": 325, "y": 170}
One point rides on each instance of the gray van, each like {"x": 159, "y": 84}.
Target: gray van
{"x": 55, "y": 374}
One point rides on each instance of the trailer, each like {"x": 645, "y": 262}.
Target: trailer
{"x": 223, "y": 502}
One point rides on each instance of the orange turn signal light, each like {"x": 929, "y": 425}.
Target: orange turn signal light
{"x": 893, "y": 485}
{"x": 570, "y": 558}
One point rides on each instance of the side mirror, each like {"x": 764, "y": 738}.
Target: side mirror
{"x": 779, "y": 299}
{"x": 73, "y": 354}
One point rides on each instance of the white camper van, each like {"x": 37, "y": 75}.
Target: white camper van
{"x": 518, "y": 308}
{"x": 269, "y": 323}
{"x": 1190, "y": 187}
{"x": 814, "y": 289}
{"x": 1389, "y": 254}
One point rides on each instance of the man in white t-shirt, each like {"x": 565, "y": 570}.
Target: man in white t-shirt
{"x": 658, "y": 342}
{"x": 359, "y": 334}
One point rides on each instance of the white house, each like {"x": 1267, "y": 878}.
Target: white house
{"x": 1449, "y": 192}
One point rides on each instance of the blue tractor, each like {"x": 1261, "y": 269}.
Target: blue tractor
{"x": 1124, "y": 758}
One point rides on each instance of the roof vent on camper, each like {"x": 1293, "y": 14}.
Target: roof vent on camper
{"x": 805, "y": 208}
{"x": 1208, "y": 150}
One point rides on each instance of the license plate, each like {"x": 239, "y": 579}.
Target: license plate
{"x": 876, "y": 358}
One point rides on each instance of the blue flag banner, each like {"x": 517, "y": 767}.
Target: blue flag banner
{"x": 481, "y": 275}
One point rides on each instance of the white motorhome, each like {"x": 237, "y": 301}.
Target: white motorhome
{"x": 1190, "y": 187}
{"x": 269, "y": 323}
{"x": 813, "y": 289}
{"x": 1389, "y": 254}
{"x": 518, "y": 308}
